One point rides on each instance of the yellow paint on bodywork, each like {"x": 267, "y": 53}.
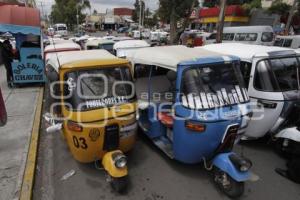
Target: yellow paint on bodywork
{"x": 110, "y": 167}
{"x": 88, "y": 150}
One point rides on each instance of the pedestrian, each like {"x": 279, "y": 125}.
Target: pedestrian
{"x": 7, "y": 56}
{"x": 1, "y": 47}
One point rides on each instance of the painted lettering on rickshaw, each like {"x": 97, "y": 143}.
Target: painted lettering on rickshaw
{"x": 23, "y": 66}
{"x": 105, "y": 102}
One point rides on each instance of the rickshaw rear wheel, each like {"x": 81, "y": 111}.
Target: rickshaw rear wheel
{"x": 119, "y": 184}
{"x": 229, "y": 186}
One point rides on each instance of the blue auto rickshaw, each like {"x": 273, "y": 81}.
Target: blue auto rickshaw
{"x": 23, "y": 24}
{"x": 192, "y": 105}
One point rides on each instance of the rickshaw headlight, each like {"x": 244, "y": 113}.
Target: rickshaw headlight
{"x": 245, "y": 166}
{"x": 241, "y": 163}
{"x": 73, "y": 126}
{"x": 120, "y": 161}
{"x": 195, "y": 126}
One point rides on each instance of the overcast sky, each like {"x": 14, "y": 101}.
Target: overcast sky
{"x": 102, "y": 5}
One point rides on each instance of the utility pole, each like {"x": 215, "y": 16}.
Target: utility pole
{"x": 140, "y": 18}
{"x": 290, "y": 18}
{"x": 42, "y": 6}
{"x": 220, "y": 24}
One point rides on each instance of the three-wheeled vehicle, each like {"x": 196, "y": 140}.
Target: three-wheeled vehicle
{"x": 24, "y": 24}
{"x": 191, "y": 106}
{"x": 273, "y": 80}
{"x": 98, "y": 106}
{"x": 126, "y": 48}
{"x": 100, "y": 44}
{"x": 60, "y": 47}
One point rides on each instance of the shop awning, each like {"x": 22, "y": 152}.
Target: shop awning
{"x": 23, "y": 20}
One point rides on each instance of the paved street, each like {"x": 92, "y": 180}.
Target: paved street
{"x": 153, "y": 176}
{"x": 14, "y": 137}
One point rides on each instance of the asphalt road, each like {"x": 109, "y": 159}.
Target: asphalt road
{"x": 153, "y": 176}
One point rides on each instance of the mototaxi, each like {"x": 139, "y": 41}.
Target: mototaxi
{"x": 98, "y": 107}
{"x": 189, "y": 105}
{"x": 273, "y": 80}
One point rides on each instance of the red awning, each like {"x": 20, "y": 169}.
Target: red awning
{"x": 22, "y": 16}
{"x": 233, "y": 10}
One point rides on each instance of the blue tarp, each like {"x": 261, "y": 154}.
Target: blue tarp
{"x": 17, "y": 29}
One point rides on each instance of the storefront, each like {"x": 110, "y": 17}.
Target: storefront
{"x": 208, "y": 17}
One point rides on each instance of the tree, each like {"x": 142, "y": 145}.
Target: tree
{"x": 249, "y": 5}
{"x": 65, "y": 11}
{"x": 95, "y": 12}
{"x": 176, "y": 12}
{"x": 135, "y": 15}
{"x": 280, "y": 8}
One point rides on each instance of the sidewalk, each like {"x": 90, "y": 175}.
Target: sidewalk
{"x": 15, "y": 136}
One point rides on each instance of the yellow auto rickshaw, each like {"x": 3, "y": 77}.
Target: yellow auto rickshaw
{"x": 98, "y": 107}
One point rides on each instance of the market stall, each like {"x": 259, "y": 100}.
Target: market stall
{"x": 24, "y": 25}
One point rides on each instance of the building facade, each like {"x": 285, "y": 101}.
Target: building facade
{"x": 208, "y": 17}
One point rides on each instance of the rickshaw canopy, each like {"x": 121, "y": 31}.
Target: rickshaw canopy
{"x": 79, "y": 59}
{"x": 131, "y": 44}
{"x": 19, "y": 20}
{"x": 97, "y": 42}
{"x": 170, "y": 56}
{"x": 246, "y": 51}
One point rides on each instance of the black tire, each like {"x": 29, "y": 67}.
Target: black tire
{"x": 280, "y": 150}
{"x": 119, "y": 184}
{"x": 234, "y": 189}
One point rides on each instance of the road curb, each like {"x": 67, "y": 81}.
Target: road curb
{"x": 28, "y": 178}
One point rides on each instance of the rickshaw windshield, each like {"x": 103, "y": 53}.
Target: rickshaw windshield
{"x": 98, "y": 88}
{"x": 277, "y": 75}
{"x": 108, "y": 47}
{"x": 213, "y": 86}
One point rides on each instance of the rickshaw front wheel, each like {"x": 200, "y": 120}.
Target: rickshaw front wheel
{"x": 228, "y": 185}
{"x": 119, "y": 185}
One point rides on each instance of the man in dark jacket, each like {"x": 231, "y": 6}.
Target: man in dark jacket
{"x": 7, "y": 56}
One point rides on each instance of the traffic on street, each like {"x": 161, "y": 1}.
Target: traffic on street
{"x": 150, "y": 100}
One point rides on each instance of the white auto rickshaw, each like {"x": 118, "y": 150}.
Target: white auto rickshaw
{"x": 126, "y": 48}
{"x": 273, "y": 79}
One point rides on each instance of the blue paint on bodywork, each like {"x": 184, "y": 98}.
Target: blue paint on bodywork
{"x": 223, "y": 162}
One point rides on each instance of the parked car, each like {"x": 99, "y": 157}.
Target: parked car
{"x": 122, "y": 29}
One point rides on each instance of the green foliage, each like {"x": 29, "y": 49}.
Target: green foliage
{"x": 248, "y": 6}
{"x": 183, "y": 9}
{"x": 279, "y": 7}
{"x": 150, "y": 18}
{"x": 65, "y": 11}
{"x": 174, "y": 11}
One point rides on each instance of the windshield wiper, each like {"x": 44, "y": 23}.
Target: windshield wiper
{"x": 83, "y": 81}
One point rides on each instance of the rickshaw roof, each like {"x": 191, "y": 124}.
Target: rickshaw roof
{"x": 171, "y": 56}
{"x": 131, "y": 44}
{"x": 60, "y": 46}
{"x": 96, "y": 42}
{"x": 79, "y": 59}
{"x": 19, "y": 20}
{"x": 245, "y": 51}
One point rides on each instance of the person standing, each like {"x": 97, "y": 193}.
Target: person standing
{"x": 3, "y": 114}
{"x": 7, "y": 56}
